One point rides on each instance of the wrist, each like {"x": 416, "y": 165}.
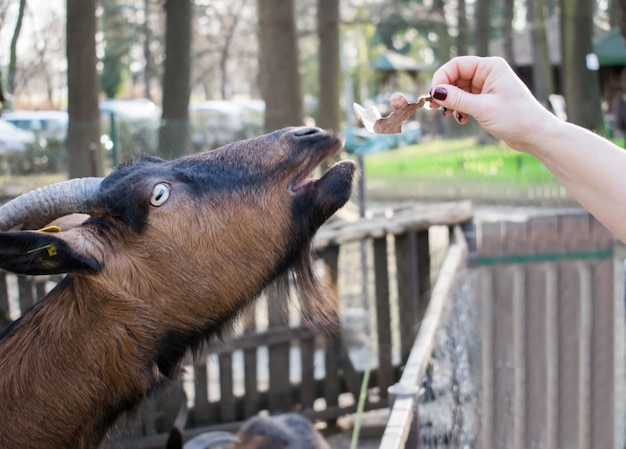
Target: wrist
{"x": 537, "y": 138}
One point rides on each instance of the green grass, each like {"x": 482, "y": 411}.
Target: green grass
{"x": 459, "y": 168}
{"x": 458, "y": 160}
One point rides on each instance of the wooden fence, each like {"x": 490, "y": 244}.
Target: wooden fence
{"x": 548, "y": 336}
{"x": 546, "y": 359}
{"x": 277, "y": 367}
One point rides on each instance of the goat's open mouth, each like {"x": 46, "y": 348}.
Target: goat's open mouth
{"x": 303, "y": 180}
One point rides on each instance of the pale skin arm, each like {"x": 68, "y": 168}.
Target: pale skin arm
{"x": 589, "y": 166}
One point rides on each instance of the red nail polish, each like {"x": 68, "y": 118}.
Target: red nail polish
{"x": 439, "y": 93}
{"x": 459, "y": 117}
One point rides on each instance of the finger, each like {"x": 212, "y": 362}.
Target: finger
{"x": 461, "y": 118}
{"x": 455, "y": 99}
{"x": 459, "y": 69}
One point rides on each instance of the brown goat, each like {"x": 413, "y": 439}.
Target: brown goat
{"x": 171, "y": 253}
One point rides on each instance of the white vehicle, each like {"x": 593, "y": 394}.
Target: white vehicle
{"x": 14, "y": 139}
{"x": 43, "y": 123}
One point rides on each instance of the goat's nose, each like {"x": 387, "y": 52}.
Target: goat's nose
{"x": 308, "y": 131}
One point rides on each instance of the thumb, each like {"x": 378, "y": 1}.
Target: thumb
{"x": 455, "y": 99}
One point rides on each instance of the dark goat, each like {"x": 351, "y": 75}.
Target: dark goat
{"x": 171, "y": 253}
{"x": 288, "y": 431}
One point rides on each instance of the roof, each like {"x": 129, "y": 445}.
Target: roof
{"x": 610, "y": 48}
{"x": 391, "y": 61}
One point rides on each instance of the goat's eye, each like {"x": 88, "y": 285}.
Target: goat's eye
{"x": 160, "y": 194}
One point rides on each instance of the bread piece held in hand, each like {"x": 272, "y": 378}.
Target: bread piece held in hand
{"x": 402, "y": 110}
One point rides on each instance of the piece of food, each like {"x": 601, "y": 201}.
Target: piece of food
{"x": 392, "y": 124}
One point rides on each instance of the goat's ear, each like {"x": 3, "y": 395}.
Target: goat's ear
{"x": 31, "y": 252}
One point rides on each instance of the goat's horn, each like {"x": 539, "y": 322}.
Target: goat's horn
{"x": 210, "y": 439}
{"x": 39, "y": 207}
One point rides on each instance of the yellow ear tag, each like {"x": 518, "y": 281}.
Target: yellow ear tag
{"x": 52, "y": 250}
{"x": 50, "y": 229}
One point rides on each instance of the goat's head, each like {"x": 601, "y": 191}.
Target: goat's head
{"x": 194, "y": 239}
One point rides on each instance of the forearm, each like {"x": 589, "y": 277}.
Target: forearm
{"x": 591, "y": 168}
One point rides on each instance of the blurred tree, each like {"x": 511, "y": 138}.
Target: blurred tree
{"x": 13, "y": 51}
{"x": 174, "y": 139}
{"x": 148, "y": 68}
{"x": 329, "y": 67}
{"x": 614, "y": 13}
{"x": 219, "y": 25}
{"x": 580, "y": 84}
{"x": 543, "y": 83}
{"x": 83, "y": 133}
{"x": 507, "y": 29}
{"x": 462, "y": 38}
{"x": 278, "y": 64}
{"x": 483, "y": 26}
{"x": 116, "y": 31}
{"x": 622, "y": 20}
{"x": 440, "y": 25}
{"x": 2, "y": 99}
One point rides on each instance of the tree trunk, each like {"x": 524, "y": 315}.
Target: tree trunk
{"x": 622, "y": 19}
{"x": 174, "y": 139}
{"x": 483, "y": 26}
{"x": 543, "y": 84}
{"x": 507, "y": 30}
{"x": 580, "y": 85}
{"x": 441, "y": 27}
{"x": 147, "y": 54}
{"x": 329, "y": 67}
{"x": 2, "y": 99}
{"x": 462, "y": 39}
{"x": 13, "y": 51}
{"x": 84, "y": 155}
{"x": 279, "y": 77}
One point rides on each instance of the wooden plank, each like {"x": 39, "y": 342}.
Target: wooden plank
{"x": 250, "y": 361}
{"x": 584, "y": 359}
{"x": 273, "y": 336}
{"x": 519, "y": 294}
{"x": 552, "y": 356}
{"x": 536, "y": 356}
{"x": 279, "y": 360}
{"x": 603, "y": 395}
{"x": 383, "y": 316}
{"x": 487, "y": 300}
{"x": 332, "y": 387}
{"x": 415, "y": 219}
{"x": 307, "y": 365}
{"x": 424, "y": 285}
{"x": 408, "y": 296}
{"x": 569, "y": 334}
{"x": 5, "y": 311}
{"x": 25, "y": 290}
{"x": 503, "y": 356}
{"x": 227, "y": 398}
{"x": 200, "y": 411}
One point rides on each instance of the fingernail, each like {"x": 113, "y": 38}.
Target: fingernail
{"x": 459, "y": 117}
{"x": 444, "y": 110}
{"x": 439, "y": 93}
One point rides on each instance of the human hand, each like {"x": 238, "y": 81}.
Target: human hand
{"x": 487, "y": 89}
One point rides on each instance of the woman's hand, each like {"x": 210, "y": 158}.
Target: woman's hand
{"x": 489, "y": 90}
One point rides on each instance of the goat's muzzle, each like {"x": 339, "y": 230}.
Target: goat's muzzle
{"x": 332, "y": 190}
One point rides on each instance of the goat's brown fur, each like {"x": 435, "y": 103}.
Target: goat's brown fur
{"x": 151, "y": 282}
